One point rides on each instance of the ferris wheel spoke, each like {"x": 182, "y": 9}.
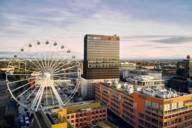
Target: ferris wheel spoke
{"x": 52, "y": 61}
{"x": 63, "y": 64}
{"x": 36, "y": 62}
{"x": 46, "y": 95}
{"x": 33, "y": 64}
{"x": 57, "y": 76}
{"x": 39, "y": 62}
{"x": 57, "y": 63}
{"x": 57, "y": 96}
{"x": 59, "y": 67}
{"x": 40, "y": 98}
{"x": 18, "y": 74}
{"x": 65, "y": 78}
{"x": 20, "y": 87}
{"x": 31, "y": 68}
{"x": 75, "y": 90}
{"x": 36, "y": 99}
{"x": 48, "y": 59}
{"x": 65, "y": 73}
{"x": 31, "y": 93}
{"x": 24, "y": 92}
{"x": 52, "y": 97}
{"x": 34, "y": 102}
{"x": 61, "y": 85}
{"x": 48, "y": 62}
{"x": 70, "y": 97}
{"x": 25, "y": 69}
{"x": 43, "y": 62}
{"x": 19, "y": 81}
{"x": 65, "y": 69}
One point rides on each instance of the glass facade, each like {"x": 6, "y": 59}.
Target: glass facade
{"x": 101, "y": 57}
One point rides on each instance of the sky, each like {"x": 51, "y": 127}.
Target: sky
{"x": 147, "y": 28}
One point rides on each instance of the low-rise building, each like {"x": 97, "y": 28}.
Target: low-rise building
{"x": 83, "y": 115}
{"x": 77, "y": 115}
{"x": 138, "y": 72}
{"x": 128, "y": 66}
{"x": 145, "y": 80}
{"x": 148, "y": 107}
{"x": 87, "y": 87}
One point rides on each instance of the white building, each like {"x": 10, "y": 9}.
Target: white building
{"x": 88, "y": 86}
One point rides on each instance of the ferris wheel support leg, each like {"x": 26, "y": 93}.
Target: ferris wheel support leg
{"x": 40, "y": 98}
{"x": 57, "y": 96}
{"x": 51, "y": 91}
{"x": 35, "y": 100}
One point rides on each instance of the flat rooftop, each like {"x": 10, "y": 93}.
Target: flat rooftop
{"x": 52, "y": 115}
{"x": 153, "y": 91}
{"x": 83, "y": 106}
{"x": 144, "y": 78}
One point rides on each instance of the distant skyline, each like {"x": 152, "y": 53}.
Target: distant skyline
{"x": 147, "y": 28}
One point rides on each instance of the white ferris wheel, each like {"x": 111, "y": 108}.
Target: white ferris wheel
{"x": 45, "y": 75}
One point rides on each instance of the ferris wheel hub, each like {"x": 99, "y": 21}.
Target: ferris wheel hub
{"x": 47, "y": 75}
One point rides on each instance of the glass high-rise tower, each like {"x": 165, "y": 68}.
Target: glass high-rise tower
{"x": 101, "y": 57}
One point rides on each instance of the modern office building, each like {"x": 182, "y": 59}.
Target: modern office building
{"x": 182, "y": 81}
{"x": 147, "y": 107}
{"x": 184, "y": 68}
{"x": 77, "y": 115}
{"x": 101, "y": 57}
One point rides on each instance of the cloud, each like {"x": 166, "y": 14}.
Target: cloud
{"x": 174, "y": 40}
{"x": 164, "y": 39}
{"x": 144, "y": 37}
{"x": 30, "y": 16}
{"x": 170, "y": 11}
{"x": 143, "y": 26}
{"x": 168, "y": 47}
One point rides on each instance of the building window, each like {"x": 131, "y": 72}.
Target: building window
{"x": 174, "y": 106}
{"x": 167, "y": 107}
